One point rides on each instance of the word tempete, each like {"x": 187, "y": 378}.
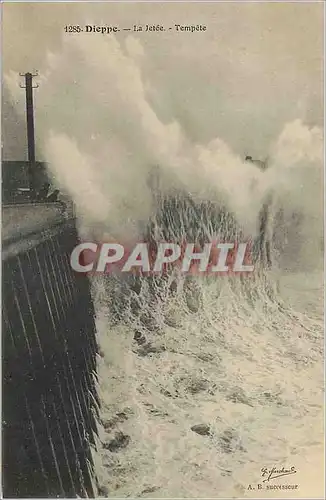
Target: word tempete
{"x": 157, "y": 258}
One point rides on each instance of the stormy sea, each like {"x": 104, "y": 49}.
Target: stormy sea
{"x": 203, "y": 380}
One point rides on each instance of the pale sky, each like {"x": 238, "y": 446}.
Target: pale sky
{"x": 255, "y": 68}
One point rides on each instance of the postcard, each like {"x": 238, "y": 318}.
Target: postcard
{"x": 163, "y": 250}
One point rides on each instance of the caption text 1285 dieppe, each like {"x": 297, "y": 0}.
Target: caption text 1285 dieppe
{"x": 152, "y": 28}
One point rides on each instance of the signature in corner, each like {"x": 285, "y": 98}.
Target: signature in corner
{"x": 274, "y": 472}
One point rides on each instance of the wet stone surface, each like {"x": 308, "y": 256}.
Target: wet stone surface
{"x": 201, "y": 429}
{"x": 120, "y": 441}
